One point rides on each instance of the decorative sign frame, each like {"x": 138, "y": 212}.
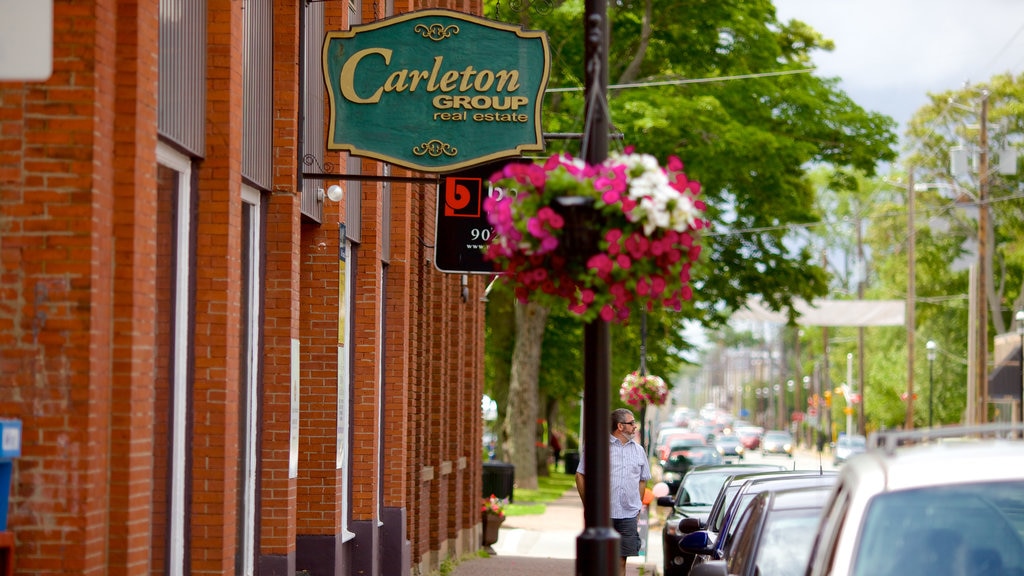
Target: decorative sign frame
{"x": 436, "y": 90}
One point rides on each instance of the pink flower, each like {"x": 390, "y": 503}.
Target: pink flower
{"x": 646, "y": 238}
{"x": 601, "y": 264}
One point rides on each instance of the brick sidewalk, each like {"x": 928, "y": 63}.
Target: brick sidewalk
{"x": 546, "y": 544}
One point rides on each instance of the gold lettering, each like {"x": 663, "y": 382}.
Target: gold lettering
{"x": 415, "y": 78}
{"x": 396, "y": 81}
{"x": 508, "y": 80}
{"x": 467, "y": 79}
{"x": 484, "y": 80}
{"x": 348, "y": 73}
{"x": 432, "y": 82}
{"x": 448, "y": 80}
{"x": 436, "y": 80}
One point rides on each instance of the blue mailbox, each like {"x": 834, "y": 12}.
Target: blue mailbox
{"x": 10, "y": 448}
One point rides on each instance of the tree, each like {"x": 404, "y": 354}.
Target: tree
{"x": 747, "y": 141}
{"x": 951, "y": 118}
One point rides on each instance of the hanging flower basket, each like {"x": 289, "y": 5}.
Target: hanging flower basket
{"x": 596, "y": 238}
{"x": 643, "y": 389}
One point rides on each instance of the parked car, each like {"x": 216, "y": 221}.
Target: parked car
{"x": 694, "y": 499}
{"x": 750, "y": 437}
{"x": 676, "y": 439}
{"x": 729, "y": 445}
{"x": 777, "y": 442}
{"x": 715, "y": 542}
{"x": 682, "y": 461}
{"x": 773, "y": 535}
{"x": 847, "y": 446}
{"x": 934, "y": 502}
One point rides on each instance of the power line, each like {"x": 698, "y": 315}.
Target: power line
{"x": 681, "y": 81}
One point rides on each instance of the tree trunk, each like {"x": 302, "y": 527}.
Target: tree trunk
{"x": 521, "y": 419}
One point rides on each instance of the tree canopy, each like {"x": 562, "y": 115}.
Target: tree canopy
{"x": 726, "y": 87}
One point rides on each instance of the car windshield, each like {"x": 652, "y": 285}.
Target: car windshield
{"x": 960, "y": 529}
{"x": 700, "y": 489}
{"x": 786, "y": 541}
{"x": 854, "y": 442}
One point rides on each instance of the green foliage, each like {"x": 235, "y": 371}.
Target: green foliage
{"x": 748, "y": 141}
{"x": 549, "y": 489}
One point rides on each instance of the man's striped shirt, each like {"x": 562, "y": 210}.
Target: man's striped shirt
{"x": 628, "y": 466}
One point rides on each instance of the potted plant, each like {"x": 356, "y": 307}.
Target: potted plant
{"x": 492, "y": 512}
{"x": 596, "y": 238}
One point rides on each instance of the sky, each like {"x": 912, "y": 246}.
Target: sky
{"x": 890, "y": 54}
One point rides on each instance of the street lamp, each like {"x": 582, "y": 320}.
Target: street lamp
{"x": 931, "y": 380}
{"x": 1020, "y": 332}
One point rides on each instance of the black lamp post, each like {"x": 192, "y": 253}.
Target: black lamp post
{"x": 597, "y": 547}
{"x": 931, "y": 381}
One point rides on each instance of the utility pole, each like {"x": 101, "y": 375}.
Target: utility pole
{"x": 981, "y": 310}
{"x": 911, "y": 321}
{"x": 862, "y": 272}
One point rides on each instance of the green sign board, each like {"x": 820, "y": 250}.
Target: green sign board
{"x": 436, "y": 90}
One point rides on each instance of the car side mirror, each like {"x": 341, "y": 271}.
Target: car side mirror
{"x": 710, "y": 568}
{"x": 666, "y": 501}
{"x": 688, "y": 525}
{"x": 697, "y": 543}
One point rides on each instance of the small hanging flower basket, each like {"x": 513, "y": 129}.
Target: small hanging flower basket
{"x": 643, "y": 389}
{"x": 596, "y": 238}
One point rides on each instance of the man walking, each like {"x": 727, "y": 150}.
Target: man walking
{"x": 629, "y": 475}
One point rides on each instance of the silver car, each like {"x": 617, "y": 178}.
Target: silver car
{"x": 945, "y": 502}
{"x": 848, "y": 446}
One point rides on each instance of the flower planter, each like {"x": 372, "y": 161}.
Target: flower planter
{"x": 600, "y": 239}
{"x": 581, "y": 232}
{"x": 489, "y": 535}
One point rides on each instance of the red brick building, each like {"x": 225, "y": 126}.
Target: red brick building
{"x": 217, "y": 370}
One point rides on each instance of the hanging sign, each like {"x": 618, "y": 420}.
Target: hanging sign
{"x": 462, "y": 230}
{"x": 436, "y": 90}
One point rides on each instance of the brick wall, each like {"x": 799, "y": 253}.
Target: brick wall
{"x": 85, "y": 293}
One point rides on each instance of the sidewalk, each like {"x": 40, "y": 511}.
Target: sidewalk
{"x": 546, "y": 544}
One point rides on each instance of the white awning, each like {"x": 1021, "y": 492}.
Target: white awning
{"x": 831, "y": 313}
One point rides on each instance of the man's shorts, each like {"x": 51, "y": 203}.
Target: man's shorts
{"x": 629, "y": 536}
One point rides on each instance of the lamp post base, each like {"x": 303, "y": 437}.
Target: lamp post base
{"x": 597, "y": 552}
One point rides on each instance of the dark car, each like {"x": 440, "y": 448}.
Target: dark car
{"x": 694, "y": 499}
{"x": 773, "y": 535}
{"x": 729, "y": 445}
{"x": 714, "y": 542}
{"x": 681, "y": 461}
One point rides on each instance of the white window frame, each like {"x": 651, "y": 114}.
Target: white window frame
{"x": 344, "y": 382}
{"x": 247, "y": 539}
{"x": 177, "y": 522}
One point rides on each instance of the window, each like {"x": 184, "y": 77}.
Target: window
{"x": 248, "y": 392}
{"x": 173, "y": 339}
